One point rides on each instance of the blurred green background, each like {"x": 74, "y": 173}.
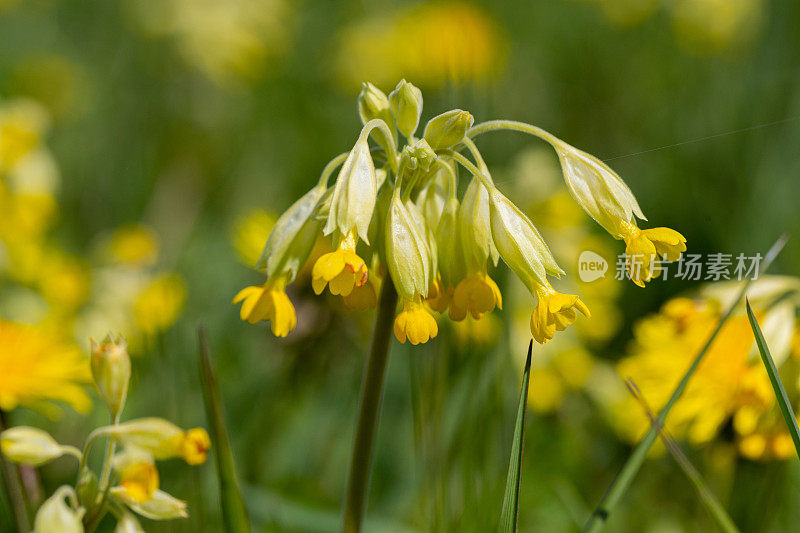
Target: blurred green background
{"x": 186, "y": 115}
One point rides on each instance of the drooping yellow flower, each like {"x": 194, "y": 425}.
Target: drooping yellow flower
{"x": 268, "y": 302}
{"x": 158, "y": 305}
{"x": 135, "y": 244}
{"x": 643, "y": 249}
{"x": 415, "y": 324}
{"x": 195, "y": 445}
{"x": 365, "y": 296}
{"x": 439, "y": 297}
{"x": 250, "y": 233}
{"x": 37, "y": 368}
{"x": 477, "y": 294}
{"x": 139, "y": 480}
{"x": 341, "y": 270}
{"x": 554, "y": 311}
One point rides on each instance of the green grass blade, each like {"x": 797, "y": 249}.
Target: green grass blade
{"x": 715, "y": 508}
{"x": 625, "y": 477}
{"x": 777, "y": 386}
{"x": 509, "y": 514}
{"x": 234, "y": 512}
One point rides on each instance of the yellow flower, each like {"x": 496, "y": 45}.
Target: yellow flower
{"x": 134, "y": 244}
{"x": 268, "y": 302}
{"x": 644, "y": 247}
{"x": 194, "y": 446}
{"x": 159, "y": 305}
{"x": 713, "y": 26}
{"x": 37, "y": 368}
{"x": 363, "y": 297}
{"x": 250, "y": 233}
{"x": 341, "y": 270}
{"x": 22, "y": 125}
{"x": 415, "y": 324}
{"x": 65, "y": 281}
{"x": 439, "y": 297}
{"x": 554, "y": 311}
{"x": 139, "y": 480}
{"x": 432, "y": 44}
{"x": 478, "y": 294}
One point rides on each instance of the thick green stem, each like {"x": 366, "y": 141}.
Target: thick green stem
{"x": 14, "y": 488}
{"x": 636, "y": 459}
{"x": 369, "y": 409}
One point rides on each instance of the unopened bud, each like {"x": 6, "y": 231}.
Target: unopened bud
{"x": 56, "y": 515}
{"x": 373, "y": 104}
{"x": 406, "y": 103}
{"x": 407, "y": 250}
{"x": 127, "y": 523}
{"x": 111, "y": 370}
{"x": 448, "y": 129}
{"x": 31, "y": 446}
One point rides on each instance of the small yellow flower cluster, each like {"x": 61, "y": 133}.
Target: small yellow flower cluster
{"x": 433, "y": 43}
{"x": 731, "y": 387}
{"x": 434, "y": 246}
{"x": 129, "y": 480}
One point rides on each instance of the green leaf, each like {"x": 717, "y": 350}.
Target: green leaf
{"x": 777, "y": 386}
{"x": 234, "y": 512}
{"x": 509, "y": 515}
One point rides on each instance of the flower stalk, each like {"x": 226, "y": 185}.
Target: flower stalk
{"x": 369, "y": 405}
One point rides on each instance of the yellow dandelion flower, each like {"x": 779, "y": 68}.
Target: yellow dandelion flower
{"x": 37, "y": 369}
{"x": 160, "y": 303}
{"x": 341, "y": 270}
{"x": 415, "y": 324}
{"x": 268, "y": 302}
{"x": 134, "y": 244}
{"x": 250, "y": 233}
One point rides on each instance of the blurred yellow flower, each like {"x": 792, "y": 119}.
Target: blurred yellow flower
{"x": 159, "y": 304}
{"x": 37, "y": 368}
{"x": 250, "y": 234}
{"x": 730, "y": 385}
{"x": 235, "y": 39}
{"x": 135, "y": 244}
{"x": 712, "y": 26}
{"x": 431, "y": 43}
{"x": 64, "y": 281}
{"x": 22, "y": 125}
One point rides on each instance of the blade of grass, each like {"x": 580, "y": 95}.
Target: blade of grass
{"x": 509, "y": 515}
{"x": 625, "y": 477}
{"x": 713, "y": 505}
{"x": 234, "y": 512}
{"x": 777, "y": 386}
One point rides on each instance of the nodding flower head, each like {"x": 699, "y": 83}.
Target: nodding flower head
{"x": 399, "y": 200}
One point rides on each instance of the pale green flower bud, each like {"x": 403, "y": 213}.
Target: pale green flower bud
{"x": 354, "y": 195}
{"x": 111, "y": 370}
{"x": 373, "y": 104}
{"x": 519, "y": 243}
{"x": 475, "y": 226}
{"x": 408, "y": 256}
{"x": 448, "y": 240}
{"x": 158, "y": 436}
{"x": 160, "y": 506}
{"x": 55, "y": 515}
{"x": 406, "y": 103}
{"x": 32, "y": 446}
{"x": 598, "y": 189}
{"x": 432, "y": 198}
{"x": 292, "y": 238}
{"x": 448, "y": 129}
{"x": 127, "y": 523}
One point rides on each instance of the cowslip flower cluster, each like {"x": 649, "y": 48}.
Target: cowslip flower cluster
{"x": 400, "y": 204}
{"x": 128, "y": 482}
